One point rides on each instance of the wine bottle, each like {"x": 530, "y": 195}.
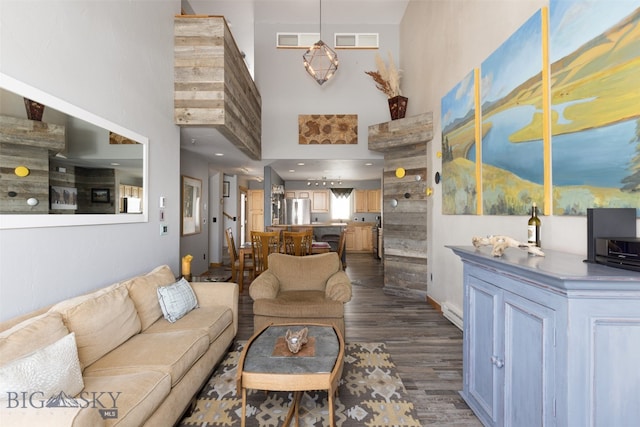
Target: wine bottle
{"x": 534, "y": 227}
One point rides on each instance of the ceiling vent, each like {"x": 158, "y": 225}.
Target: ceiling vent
{"x": 296, "y": 40}
{"x": 356, "y": 40}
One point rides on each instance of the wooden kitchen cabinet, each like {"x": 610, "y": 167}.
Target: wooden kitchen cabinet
{"x": 320, "y": 201}
{"x": 360, "y": 201}
{"x": 358, "y": 238}
{"x": 319, "y": 198}
{"x": 549, "y": 341}
{"x": 298, "y": 194}
{"x": 367, "y": 201}
{"x": 350, "y": 239}
{"x": 373, "y": 201}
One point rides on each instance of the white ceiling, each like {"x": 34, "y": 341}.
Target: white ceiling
{"x": 241, "y": 15}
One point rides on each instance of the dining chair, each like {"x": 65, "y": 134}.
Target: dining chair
{"x": 297, "y": 243}
{"x": 263, "y": 243}
{"x": 341, "y": 247}
{"x": 235, "y": 259}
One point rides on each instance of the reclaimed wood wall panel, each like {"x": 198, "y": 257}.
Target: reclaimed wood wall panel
{"x": 36, "y": 184}
{"x": 212, "y": 84}
{"x": 32, "y": 133}
{"x": 400, "y": 133}
{"x": 89, "y": 178}
{"x": 27, "y": 143}
{"x": 404, "y": 144}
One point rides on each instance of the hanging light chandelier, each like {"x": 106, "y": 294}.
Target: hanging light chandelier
{"x": 320, "y": 61}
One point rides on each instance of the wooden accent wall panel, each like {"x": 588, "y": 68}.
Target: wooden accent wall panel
{"x": 212, "y": 84}
{"x": 27, "y": 143}
{"x": 404, "y": 144}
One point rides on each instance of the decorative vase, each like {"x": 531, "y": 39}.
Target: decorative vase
{"x": 398, "y": 107}
{"x": 34, "y": 109}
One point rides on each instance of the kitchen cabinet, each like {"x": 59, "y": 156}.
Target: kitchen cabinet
{"x": 319, "y": 199}
{"x": 358, "y": 238}
{"x": 373, "y": 201}
{"x": 549, "y": 341}
{"x": 298, "y": 194}
{"x": 350, "y": 239}
{"x": 367, "y": 201}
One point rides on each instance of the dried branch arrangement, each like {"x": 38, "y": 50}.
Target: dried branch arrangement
{"x": 387, "y": 78}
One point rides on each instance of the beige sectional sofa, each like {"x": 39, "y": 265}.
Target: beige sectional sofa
{"x": 119, "y": 361}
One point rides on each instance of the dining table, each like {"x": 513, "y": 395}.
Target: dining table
{"x": 246, "y": 251}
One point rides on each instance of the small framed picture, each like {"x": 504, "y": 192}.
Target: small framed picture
{"x": 100, "y": 195}
{"x": 191, "y": 205}
{"x": 225, "y": 188}
{"x": 63, "y": 198}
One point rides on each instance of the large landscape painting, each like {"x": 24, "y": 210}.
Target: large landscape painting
{"x": 559, "y": 117}
{"x": 459, "y": 187}
{"x": 595, "y": 104}
{"x": 512, "y": 126}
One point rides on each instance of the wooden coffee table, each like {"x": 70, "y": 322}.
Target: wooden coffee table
{"x": 264, "y": 365}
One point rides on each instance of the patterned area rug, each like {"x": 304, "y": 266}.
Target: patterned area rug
{"x": 371, "y": 393}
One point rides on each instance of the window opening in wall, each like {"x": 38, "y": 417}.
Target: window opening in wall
{"x": 340, "y": 207}
{"x": 296, "y": 40}
{"x": 356, "y": 40}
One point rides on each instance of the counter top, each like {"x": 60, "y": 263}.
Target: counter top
{"x": 563, "y": 270}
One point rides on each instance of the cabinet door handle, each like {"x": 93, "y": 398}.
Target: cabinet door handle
{"x": 497, "y": 362}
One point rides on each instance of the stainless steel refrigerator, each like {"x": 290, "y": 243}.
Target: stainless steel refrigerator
{"x": 297, "y": 211}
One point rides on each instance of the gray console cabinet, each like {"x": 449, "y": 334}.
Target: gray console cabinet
{"x": 550, "y": 341}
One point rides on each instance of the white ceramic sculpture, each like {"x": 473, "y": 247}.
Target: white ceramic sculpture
{"x": 500, "y": 243}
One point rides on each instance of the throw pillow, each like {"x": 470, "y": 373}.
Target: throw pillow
{"x": 46, "y": 372}
{"x": 101, "y": 322}
{"x": 176, "y": 300}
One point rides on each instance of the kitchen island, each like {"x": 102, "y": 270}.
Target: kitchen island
{"x": 358, "y": 239}
{"x": 321, "y": 230}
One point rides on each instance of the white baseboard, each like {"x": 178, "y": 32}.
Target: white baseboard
{"x": 453, "y": 314}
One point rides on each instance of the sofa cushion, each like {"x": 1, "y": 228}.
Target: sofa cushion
{"x": 46, "y": 372}
{"x": 211, "y": 320}
{"x": 31, "y": 335}
{"x": 308, "y": 272}
{"x": 134, "y": 393}
{"x": 142, "y": 290}
{"x": 101, "y": 323}
{"x": 170, "y": 352}
{"x": 176, "y": 300}
{"x": 299, "y": 304}
{"x": 55, "y": 417}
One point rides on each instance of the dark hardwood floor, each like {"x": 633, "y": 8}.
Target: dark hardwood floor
{"x": 425, "y": 346}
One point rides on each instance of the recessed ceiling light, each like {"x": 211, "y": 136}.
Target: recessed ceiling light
{"x": 368, "y": 164}
{"x": 300, "y": 163}
{"x": 292, "y": 170}
{"x": 115, "y": 164}
{"x": 219, "y": 154}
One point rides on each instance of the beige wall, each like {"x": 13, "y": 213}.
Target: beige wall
{"x": 441, "y": 42}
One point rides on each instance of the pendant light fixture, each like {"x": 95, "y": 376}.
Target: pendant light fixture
{"x": 320, "y": 61}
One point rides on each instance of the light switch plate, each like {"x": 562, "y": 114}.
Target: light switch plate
{"x": 164, "y": 229}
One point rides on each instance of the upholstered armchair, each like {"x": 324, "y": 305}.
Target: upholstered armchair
{"x": 309, "y": 289}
